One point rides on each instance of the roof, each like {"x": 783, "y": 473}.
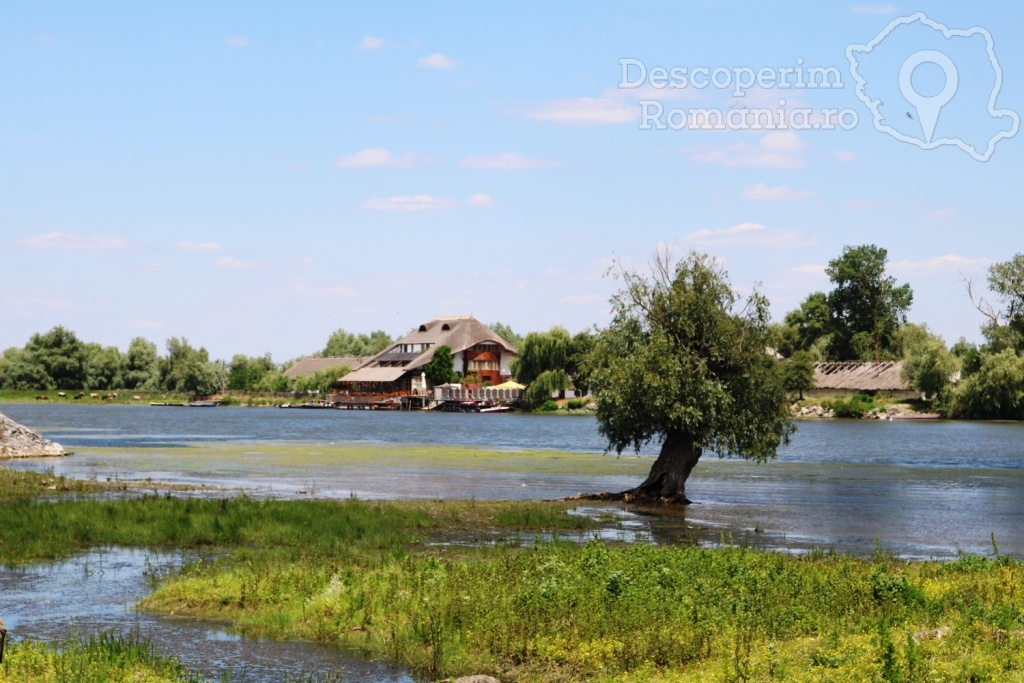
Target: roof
{"x": 374, "y": 375}
{"x": 860, "y": 375}
{"x": 456, "y": 332}
{"x": 314, "y": 364}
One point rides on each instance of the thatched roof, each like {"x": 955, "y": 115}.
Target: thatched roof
{"x": 856, "y": 375}
{"x": 458, "y": 333}
{"x": 310, "y": 366}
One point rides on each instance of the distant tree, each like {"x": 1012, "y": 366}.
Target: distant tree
{"x": 342, "y": 343}
{"x": 61, "y": 355}
{"x": 21, "y": 372}
{"x": 542, "y": 361}
{"x": 274, "y": 382}
{"x": 322, "y": 382}
{"x": 1004, "y": 327}
{"x": 969, "y": 357}
{"x": 506, "y": 333}
{"x": 245, "y": 373}
{"x": 683, "y": 363}
{"x": 441, "y": 368}
{"x": 994, "y": 392}
{"x": 866, "y": 307}
{"x": 808, "y": 324}
{"x": 141, "y": 368}
{"x": 927, "y": 364}
{"x": 798, "y": 372}
{"x": 576, "y": 367}
{"x": 187, "y": 370}
{"x": 104, "y": 367}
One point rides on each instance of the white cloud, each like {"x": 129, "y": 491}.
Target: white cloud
{"x": 231, "y": 263}
{"x": 424, "y": 202}
{"x": 777, "y": 150}
{"x": 844, "y": 155}
{"x": 779, "y": 193}
{"x": 438, "y": 61}
{"x": 509, "y": 161}
{"x": 370, "y": 43}
{"x": 200, "y": 247}
{"x": 583, "y": 110}
{"x": 939, "y": 265}
{"x": 236, "y": 41}
{"x": 874, "y": 9}
{"x": 941, "y": 214}
{"x": 750, "y": 235}
{"x": 64, "y": 241}
{"x": 375, "y": 156}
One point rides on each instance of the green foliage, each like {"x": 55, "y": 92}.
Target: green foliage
{"x": 273, "y": 382}
{"x": 798, "y": 372}
{"x": 969, "y": 356}
{"x": 576, "y": 403}
{"x": 547, "y": 406}
{"x": 544, "y": 385}
{"x": 187, "y": 370}
{"x": 680, "y": 358}
{"x": 994, "y": 392}
{"x": 542, "y": 352}
{"x": 106, "y": 656}
{"x": 866, "y": 307}
{"x": 322, "y": 382}
{"x": 928, "y": 365}
{"x": 245, "y": 373}
{"x": 141, "y": 369}
{"x": 1005, "y": 327}
{"x": 506, "y": 333}
{"x": 104, "y": 367}
{"x": 441, "y": 368}
{"x": 856, "y": 406}
{"x": 342, "y": 343}
{"x": 22, "y": 372}
{"x": 61, "y": 355}
{"x": 805, "y": 325}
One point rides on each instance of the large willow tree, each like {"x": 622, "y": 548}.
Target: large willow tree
{"x": 683, "y": 363}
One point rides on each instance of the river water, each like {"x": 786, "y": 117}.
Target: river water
{"x": 919, "y": 489}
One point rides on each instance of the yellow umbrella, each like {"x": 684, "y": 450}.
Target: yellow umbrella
{"x": 509, "y": 385}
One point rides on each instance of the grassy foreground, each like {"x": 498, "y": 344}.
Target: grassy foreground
{"x": 399, "y": 582}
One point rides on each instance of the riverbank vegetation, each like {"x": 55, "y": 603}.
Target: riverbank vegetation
{"x": 456, "y": 588}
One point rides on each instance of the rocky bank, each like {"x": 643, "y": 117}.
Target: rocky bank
{"x": 18, "y": 441}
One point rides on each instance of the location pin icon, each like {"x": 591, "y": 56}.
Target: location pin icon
{"x": 928, "y": 108}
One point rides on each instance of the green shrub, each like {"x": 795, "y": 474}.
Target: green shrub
{"x": 854, "y": 407}
{"x": 576, "y": 403}
{"x": 547, "y": 406}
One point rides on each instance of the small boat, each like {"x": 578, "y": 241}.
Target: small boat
{"x": 202, "y": 404}
{"x": 495, "y": 409}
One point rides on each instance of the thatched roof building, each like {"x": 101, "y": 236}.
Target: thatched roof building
{"x": 842, "y": 378}
{"x": 314, "y": 364}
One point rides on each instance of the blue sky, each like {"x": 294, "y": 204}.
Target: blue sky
{"x": 253, "y": 176}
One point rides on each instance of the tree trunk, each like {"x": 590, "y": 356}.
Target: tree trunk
{"x": 666, "y": 482}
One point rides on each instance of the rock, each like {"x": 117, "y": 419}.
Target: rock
{"x": 18, "y": 441}
{"x": 477, "y": 679}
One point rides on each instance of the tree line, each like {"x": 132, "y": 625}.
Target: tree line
{"x": 862, "y": 317}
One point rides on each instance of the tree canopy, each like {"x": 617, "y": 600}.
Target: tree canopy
{"x": 684, "y": 362}
{"x": 342, "y": 343}
{"x": 866, "y": 307}
{"x": 441, "y": 368}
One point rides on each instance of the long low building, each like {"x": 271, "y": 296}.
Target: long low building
{"x": 314, "y": 364}
{"x": 846, "y": 378}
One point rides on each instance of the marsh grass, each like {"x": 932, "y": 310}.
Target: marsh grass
{"x": 17, "y": 484}
{"x": 364, "y": 575}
